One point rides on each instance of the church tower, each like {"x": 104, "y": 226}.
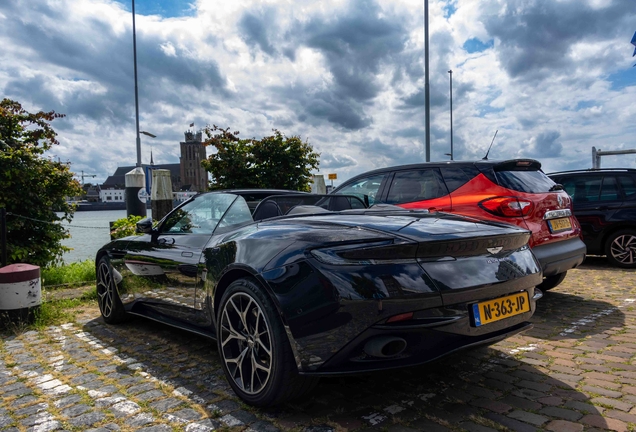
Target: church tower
{"x": 192, "y": 153}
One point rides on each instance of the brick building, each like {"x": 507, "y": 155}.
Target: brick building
{"x": 193, "y": 176}
{"x": 187, "y": 175}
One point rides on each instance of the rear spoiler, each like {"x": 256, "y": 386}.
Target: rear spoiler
{"x": 509, "y": 165}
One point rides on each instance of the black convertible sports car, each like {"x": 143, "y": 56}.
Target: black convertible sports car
{"x": 307, "y": 286}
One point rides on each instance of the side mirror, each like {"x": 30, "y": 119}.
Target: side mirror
{"x": 144, "y": 226}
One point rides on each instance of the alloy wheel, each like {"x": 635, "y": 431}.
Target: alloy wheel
{"x": 623, "y": 249}
{"x": 105, "y": 289}
{"x": 246, "y": 343}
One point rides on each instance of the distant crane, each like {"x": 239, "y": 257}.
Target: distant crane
{"x": 82, "y": 176}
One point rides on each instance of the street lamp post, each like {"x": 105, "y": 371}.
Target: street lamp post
{"x": 427, "y": 95}
{"x": 135, "y": 193}
{"x": 136, "y": 90}
{"x": 450, "y": 72}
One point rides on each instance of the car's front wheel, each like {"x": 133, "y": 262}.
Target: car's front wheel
{"x": 255, "y": 352}
{"x": 110, "y": 305}
{"x": 620, "y": 248}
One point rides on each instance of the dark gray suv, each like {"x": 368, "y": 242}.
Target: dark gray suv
{"x": 604, "y": 202}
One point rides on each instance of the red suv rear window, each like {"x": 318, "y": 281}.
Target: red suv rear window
{"x": 525, "y": 181}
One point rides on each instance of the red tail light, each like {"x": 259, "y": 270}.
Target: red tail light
{"x": 507, "y": 206}
{"x": 401, "y": 317}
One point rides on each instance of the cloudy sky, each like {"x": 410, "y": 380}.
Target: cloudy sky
{"x": 554, "y": 77}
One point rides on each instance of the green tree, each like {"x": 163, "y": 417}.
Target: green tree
{"x": 276, "y": 161}
{"x": 32, "y": 186}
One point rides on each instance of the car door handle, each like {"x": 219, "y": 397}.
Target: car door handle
{"x": 601, "y": 208}
{"x": 186, "y": 254}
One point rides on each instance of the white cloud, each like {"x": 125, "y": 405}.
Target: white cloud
{"x": 347, "y": 75}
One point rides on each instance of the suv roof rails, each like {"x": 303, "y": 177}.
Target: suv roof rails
{"x": 593, "y": 170}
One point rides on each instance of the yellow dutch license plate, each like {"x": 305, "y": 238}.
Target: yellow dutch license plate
{"x": 560, "y": 224}
{"x": 500, "y": 308}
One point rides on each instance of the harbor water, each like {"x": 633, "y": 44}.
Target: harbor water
{"x": 89, "y": 231}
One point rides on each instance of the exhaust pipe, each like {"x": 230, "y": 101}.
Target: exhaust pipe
{"x": 385, "y": 346}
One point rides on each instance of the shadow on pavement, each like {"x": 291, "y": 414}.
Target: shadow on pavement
{"x": 482, "y": 388}
{"x": 561, "y": 315}
{"x": 594, "y": 262}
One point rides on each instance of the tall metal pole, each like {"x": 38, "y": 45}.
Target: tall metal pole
{"x": 451, "y": 111}
{"x": 136, "y": 91}
{"x": 135, "y": 180}
{"x": 427, "y": 95}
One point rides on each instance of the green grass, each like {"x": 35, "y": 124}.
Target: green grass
{"x": 51, "y": 313}
{"x": 77, "y": 273}
{"x": 55, "y": 313}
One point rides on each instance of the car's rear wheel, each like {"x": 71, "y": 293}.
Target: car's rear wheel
{"x": 110, "y": 304}
{"x": 620, "y": 248}
{"x": 255, "y": 352}
{"x": 551, "y": 281}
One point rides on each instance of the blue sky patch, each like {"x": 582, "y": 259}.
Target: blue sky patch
{"x": 167, "y": 9}
{"x": 487, "y": 109}
{"x": 623, "y": 78}
{"x": 585, "y": 104}
{"x": 475, "y": 45}
{"x": 449, "y": 9}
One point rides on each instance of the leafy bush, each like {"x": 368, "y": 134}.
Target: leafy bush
{"x": 33, "y": 186}
{"x": 74, "y": 273}
{"x": 125, "y": 227}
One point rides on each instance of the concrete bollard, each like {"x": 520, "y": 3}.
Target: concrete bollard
{"x": 135, "y": 193}
{"x": 20, "y": 293}
{"x": 161, "y": 195}
{"x": 318, "y": 185}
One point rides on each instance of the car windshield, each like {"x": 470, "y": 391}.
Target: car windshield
{"x": 206, "y": 212}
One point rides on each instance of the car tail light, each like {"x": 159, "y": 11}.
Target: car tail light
{"x": 401, "y": 317}
{"x": 382, "y": 252}
{"x": 507, "y": 206}
{"x": 449, "y": 249}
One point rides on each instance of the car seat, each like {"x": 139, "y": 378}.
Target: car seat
{"x": 337, "y": 203}
{"x": 407, "y": 190}
{"x": 265, "y": 210}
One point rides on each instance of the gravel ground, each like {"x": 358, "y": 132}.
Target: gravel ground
{"x": 575, "y": 371}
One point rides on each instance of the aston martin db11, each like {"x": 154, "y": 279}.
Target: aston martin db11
{"x": 308, "y": 286}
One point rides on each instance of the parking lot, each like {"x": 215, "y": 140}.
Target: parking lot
{"x": 574, "y": 371}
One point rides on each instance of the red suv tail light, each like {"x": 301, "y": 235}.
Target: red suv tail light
{"x": 507, "y": 206}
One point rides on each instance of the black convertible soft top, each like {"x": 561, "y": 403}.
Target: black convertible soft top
{"x": 279, "y": 205}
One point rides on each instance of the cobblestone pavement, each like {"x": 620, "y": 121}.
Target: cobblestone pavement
{"x": 574, "y": 371}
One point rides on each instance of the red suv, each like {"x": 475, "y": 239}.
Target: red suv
{"x": 513, "y": 191}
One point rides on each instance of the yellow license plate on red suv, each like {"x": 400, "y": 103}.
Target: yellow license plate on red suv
{"x": 500, "y": 308}
{"x": 560, "y": 224}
